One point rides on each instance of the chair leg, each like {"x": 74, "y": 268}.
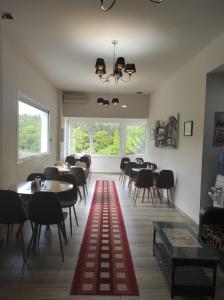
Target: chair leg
{"x": 22, "y": 242}
{"x": 79, "y": 193}
{"x": 86, "y": 189}
{"x": 143, "y": 195}
{"x": 63, "y": 231}
{"x": 75, "y": 215}
{"x": 39, "y": 232}
{"x": 34, "y": 233}
{"x": 60, "y": 242}
{"x": 8, "y": 231}
{"x": 70, "y": 219}
{"x": 172, "y": 198}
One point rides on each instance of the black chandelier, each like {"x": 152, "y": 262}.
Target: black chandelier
{"x": 106, "y": 103}
{"x": 114, "y": 1}
{"x": 118, "y": 66}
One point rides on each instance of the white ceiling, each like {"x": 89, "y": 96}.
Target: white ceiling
{"x": 63, "y": 38}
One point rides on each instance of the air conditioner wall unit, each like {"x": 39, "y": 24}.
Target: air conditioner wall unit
{"x": 75, "y": 98}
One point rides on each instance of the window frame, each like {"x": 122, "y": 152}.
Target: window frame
{"x": 123, "y": 125}
{"x": 30, "y": 101}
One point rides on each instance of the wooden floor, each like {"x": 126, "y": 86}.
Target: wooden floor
{"x": 46, "y": 277}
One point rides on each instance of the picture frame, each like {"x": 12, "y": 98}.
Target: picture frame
{"x": 218, "y": 139}
{"x": 167, "y": 132}
{"x": 152, "y": 134}
{"x": 188, "y": 128}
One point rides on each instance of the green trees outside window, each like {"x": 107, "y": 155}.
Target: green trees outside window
{"x": 80, "y": 138}
{"x": 106, "y": 138}
{"x": 32, "y": 130}
{"x": 135, "y": 139}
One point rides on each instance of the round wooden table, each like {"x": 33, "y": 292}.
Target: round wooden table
{"x": 54, "y": 186}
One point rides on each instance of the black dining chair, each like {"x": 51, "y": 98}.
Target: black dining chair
{"x": 139, "y": 160}
{"x": 71, "y": 160}
{"x": 32, "y": 176}
{"x": 68, "y": 199}
{"x": 165, "y": 181}
{"x": 80, "y": 180}
{"x": 123, "y": 163}
{"x": 51, "y": 173}
{"x": 85, "y": 159}
{"x": 144, "y": 181}
{"x": 128, "y": 166}
{"x": 11, "y": 213}
{"x": 45, "y": 209}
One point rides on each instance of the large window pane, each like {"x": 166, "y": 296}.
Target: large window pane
{"x": 106, "y": 138}
{"x": 32, "y": 130}
{"x": 80, "y": 138}
{"x": 135, "y": 139}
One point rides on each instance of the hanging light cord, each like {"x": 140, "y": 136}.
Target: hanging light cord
{"x": 114, "y": 1}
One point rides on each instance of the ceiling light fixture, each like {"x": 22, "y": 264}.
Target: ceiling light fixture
{"x": 114, "y": 1}
{"x": 106, "y": 102}
{"x": 118, "y": 66}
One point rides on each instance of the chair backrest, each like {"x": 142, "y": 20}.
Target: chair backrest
{"x": 51, "y": 173}
{"x": 129, "y": 166}
{"x": 79, "y": 175}
{"x": 32, "y": 176}
{"x": 81, "y": 164}
{"x": 11, "y": 209}
{"x": 149, "y": 165}
{"x": 70, "y": 160}
{"x": 144, "y": 179}
{"x": 71, "y": 194}
{"x": 123, "y": 162}
{"x": 165, "y": 179}
{"x": 139, "y": 160}
{"x": 89, "y": 157}
{"x": 45, "y": 208}
{"x": 85, "y": 159}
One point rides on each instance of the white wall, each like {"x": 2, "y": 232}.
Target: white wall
{"x": 184, "y": 93}
{"x": 18, "y": 74}
{"x": 138, "y": 106}
{"x": 214, "y": 103}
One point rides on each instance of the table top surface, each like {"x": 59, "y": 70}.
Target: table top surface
{"x": 182, "y": 243}
{"x": 65, "y": 169}
{"x": 139, "y": 169}
{"x": 55, "y": 186}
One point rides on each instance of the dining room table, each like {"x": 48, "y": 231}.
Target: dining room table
{"x": 25, "y": 187}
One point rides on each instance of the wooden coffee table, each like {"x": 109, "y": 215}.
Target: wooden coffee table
{"x": 188, "y": 264}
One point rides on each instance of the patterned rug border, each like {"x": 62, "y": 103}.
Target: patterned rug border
{"x": 83, "y": 249}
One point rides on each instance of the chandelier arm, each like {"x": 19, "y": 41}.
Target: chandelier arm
{"x": 109, "y": 7}
{"x": 125, "y": 80}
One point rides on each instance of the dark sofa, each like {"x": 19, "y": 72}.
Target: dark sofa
{"x": 211, "y": 229}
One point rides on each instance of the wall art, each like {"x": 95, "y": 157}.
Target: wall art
{"x": 166, "y": 132}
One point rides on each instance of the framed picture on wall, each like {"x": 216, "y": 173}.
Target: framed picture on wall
{"x": 219, "y": 129}
{"x": 188, "y": 128}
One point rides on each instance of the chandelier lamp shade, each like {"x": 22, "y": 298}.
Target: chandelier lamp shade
{"x": 114, "y": 1}
{"x": 106, "y": 103}
{"x": 119, "y": 66}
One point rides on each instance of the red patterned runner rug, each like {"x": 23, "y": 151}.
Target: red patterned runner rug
{"x": 105, "y": 264}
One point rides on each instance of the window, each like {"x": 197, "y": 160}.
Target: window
{"x": 80, "y": 138}
{"x": 33, "y": 125}
{"x": 135, "y": 139}
{"x": 106, "y": 138}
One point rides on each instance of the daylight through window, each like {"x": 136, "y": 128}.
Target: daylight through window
{"x": 32, "y": 130}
